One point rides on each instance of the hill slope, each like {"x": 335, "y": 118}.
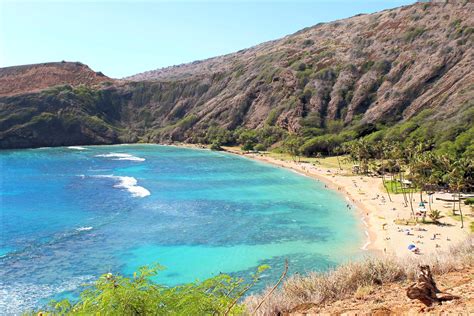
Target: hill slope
{"x": 30, "y": 78}
{"x": 391, "y": 299}
{"x": 385, "y": 68}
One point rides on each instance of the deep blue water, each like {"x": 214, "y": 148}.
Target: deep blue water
{"x": 68, "y": 215}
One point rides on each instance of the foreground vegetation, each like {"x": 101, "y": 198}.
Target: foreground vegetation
{"x": 139, "y": 295}
{"x": 223, "y": 295}
{"x": 357, "y": 277}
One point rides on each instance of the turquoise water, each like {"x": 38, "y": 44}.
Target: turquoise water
{"x": 71, "y": 214}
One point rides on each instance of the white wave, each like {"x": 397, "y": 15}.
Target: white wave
{"x": 129, "y": 184}
{"x": 132, "y": 158}
{"x": 364, "y": 247}
{"x": 77, "y": 148}
{"x": 121, "y": 156}
{"x": 80, "y": 229}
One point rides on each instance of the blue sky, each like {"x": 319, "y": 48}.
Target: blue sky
{"x": 127, "y": 37}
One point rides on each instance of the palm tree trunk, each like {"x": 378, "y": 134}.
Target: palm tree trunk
{"x": 410, "y": 196}
{"x": 460, "y": 212}
{"x": 403, "y": 189}
{"x": 391, "y": 183}
{"x": 386, "y": 188}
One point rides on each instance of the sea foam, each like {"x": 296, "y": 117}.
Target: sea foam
{"x": 18, "y": 297}
{"x": 129, "y": 184}
{"x": 77, "y": 148}
{"x": 80, "y": 229}
{"x": 121, "y": 156}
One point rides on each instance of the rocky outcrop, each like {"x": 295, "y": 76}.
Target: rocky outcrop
{"x": 31, "y": 78}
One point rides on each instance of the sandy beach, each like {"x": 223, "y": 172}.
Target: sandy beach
{"x": 378, "y": 213}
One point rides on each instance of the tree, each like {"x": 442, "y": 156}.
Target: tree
{"x": 421, "y": 167}
{"x": 292, "y": 145}
{"x": 247, "y": 146}
{"x": 360, "y": 151}
{"x": 458, "y": 179}
{"x": 248, "y": 139}
{"x": 216, "y": 145}
{"x": 382, "y": 148}
{"x": 260, "y": 147}
{"x": 398, "y": 153}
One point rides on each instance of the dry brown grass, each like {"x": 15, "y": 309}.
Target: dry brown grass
{"x": 354, "y": 277}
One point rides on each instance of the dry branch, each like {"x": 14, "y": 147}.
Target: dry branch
{"x": 426, "y": 290}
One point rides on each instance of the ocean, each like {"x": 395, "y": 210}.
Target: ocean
{"x": 70, "y": 214}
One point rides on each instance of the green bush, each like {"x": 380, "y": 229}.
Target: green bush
{"x": 43, "y": 117}
{"x": 313, "y": 119}
{"x": 413, "y": 33}
{"x": 248, "y": 146}
{"x": 216, "y": 146}
{"x": 321, "y": 145}
{"x": 260, "y": 147}
{"x": 139, "y": 295}
{"x": 216, "y": 134}
{"x": 273, "y": 116}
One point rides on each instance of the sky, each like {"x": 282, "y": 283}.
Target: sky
{"x": 127, "y": 37}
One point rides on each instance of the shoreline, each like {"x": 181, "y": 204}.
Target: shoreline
{"x": 377, "y": 213}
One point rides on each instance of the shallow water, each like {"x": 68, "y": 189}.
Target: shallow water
{"x": 71, "y": 214}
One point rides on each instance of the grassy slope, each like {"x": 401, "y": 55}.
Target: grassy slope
{"x": 369, "y": 284}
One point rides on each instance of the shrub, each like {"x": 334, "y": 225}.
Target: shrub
{"x": 273, "y": 116}
{"x": 313, "y": 119}
{"x": 382, "y": 66}
{"x": 248, "y": 146}
{"x": 308, "y": 42}
{"x": 138, "y": 295}
{"x": 321, "y": 145}
{"x": 412, "y": 34}
{"x": 260, "y": 147}
{"x": 326, "y": 74}
{"x": 216, "y": 134}
{"x": 216, "y": 146}
{"x": 435, "y": 215}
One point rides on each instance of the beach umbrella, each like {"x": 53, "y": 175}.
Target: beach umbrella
{"x": 411, "y": 247}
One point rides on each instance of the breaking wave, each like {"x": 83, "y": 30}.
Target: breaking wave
{"x": 121, "y": 156}
{"x": 77, "y": 148}
{"x": 129, "y": 184}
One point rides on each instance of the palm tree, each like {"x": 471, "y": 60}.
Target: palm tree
{"x": 398, "y": 154}
{"x": 360, "y": 150}
{"x": 411, "y": 157}
{"x": 382, "y": 148}
{"x": 435, "y": 215}
{"x": 421, "y": 167}
{"x": 338, "y": 151}
{"x": 461, "y": 170}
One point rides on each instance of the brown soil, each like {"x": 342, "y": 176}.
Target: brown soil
{"x": 392, "y": 300}
{"x": 32, "y": 78}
